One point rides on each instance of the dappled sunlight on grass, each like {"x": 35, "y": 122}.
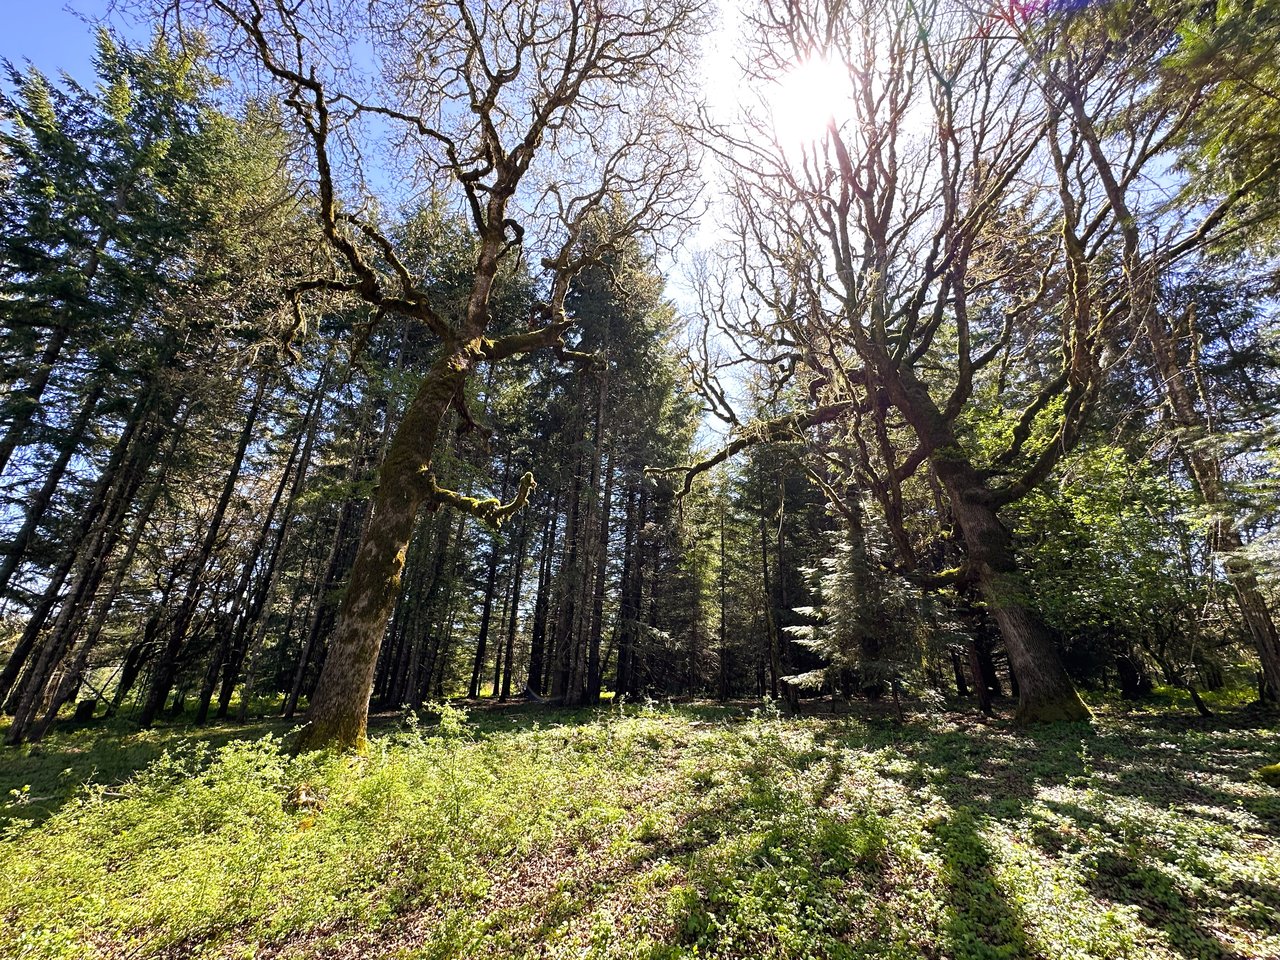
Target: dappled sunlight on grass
{"x": 671, "y": 832}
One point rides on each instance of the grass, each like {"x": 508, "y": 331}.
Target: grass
{"x": 649, "y": 832}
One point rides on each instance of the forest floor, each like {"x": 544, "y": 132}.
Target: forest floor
{"x": 651, "y": 831}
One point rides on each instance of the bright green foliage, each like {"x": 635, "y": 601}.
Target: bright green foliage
{"x": 691, "y": 832}
{"x": 1229, "y": 49}
{"x": 1105, "y": 548}
{"x": 865, "y": 623}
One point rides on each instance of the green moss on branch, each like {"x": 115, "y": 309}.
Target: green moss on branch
{"x": 490, "y": 510}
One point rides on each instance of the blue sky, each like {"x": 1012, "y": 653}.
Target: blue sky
{"x": 55, "y": 35}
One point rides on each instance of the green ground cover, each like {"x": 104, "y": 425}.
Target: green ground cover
{"x": 694, "y": 831}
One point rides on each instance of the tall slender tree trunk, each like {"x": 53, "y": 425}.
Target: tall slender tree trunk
{"x": 30, "y": 394}
{"x": 92, "y": 559}
{"x": 259, "y": 613}
{"x": 39, "y": 504}
{"x": 104, "y": 605}
{"x": 444, "y": 627}
{"x": 869, "y": 617}
{"x": 131, "y": 667}
{"x": 491, "y": 578}
{"x": 232, "y": 635}
{"x": 542, "y": 602}
{"x": 117, "y": 462}
{"x": 318, "y": 595}
{"x": 166, "y": 667}
{"x": 570, "y": 580}
{"x": 1171, "y": 380}
{"x": 500, "y": 647}
{"x": 517, "y": 575}
{"x": 403, "y": 657}
{"x": 486, "y": 614}
{"x": 723, "y": 686}
{"x": 957, "y": 669}
{"x": 601, "y": 575}
{"x": 627, "y": 611}
{"x": 251, "y": 630}
{"x": 770, "y": 620}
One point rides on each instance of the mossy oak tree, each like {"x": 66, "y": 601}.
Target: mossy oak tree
{"x": 536, "y": 118}
{"x": 941, "y": 280}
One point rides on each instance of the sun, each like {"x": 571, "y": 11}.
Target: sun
{"x": 807, "y": 98}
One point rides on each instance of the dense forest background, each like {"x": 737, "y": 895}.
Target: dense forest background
{"x": 995, "y": 356}
{"x": 618, "y": 479}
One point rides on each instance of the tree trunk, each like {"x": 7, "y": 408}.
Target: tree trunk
{"x": 491, "y": 579}
{"x": 255, "y": 620}
{"x": 542, "y": 603}
{"x": 118, "y": 462}
{"x": 771, "y": 625}
{"x": 601, "y": 574}
{"x": 340, "y": 708}
{"x": 92, "y": 558}
{"x": 444, "y": 627}
{"x": 132, "y": 665}
{"x": 870, "y": 615}
{"x": 962, "y": 689}
{"x": 39, "y": 504}
{"x": 627, "y": 606}
{"x": 167, "y": 666}
{"x": 723, "y": 690}
{"x": 1045, "y": 692}
{"x": 517, "y": 574}
{"x": 570, "y": 580}
{"x": 32, "y": 392}
{"x": 981, "y": 678}
{"x": 104, "y": 605}
{"x": 232, "y": 650}
{"x": 1170, "y": 379}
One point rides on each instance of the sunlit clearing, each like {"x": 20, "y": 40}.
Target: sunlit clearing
{"x": 806, "y": 100}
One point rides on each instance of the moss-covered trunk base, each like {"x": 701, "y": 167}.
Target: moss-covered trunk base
{"x": 1067, "y": 707}
{"x": 344, "y": 733}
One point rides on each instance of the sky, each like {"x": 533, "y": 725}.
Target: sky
{"x": 55, "y": 35}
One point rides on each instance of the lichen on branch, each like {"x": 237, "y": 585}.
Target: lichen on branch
{"x": 490, "y": 510}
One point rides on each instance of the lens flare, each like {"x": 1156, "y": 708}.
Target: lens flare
{"x": 807, "y": 99}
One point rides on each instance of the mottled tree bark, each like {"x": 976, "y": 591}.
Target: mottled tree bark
{"x": 1046, "y": 693}
{"x": 340, "y": 708}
